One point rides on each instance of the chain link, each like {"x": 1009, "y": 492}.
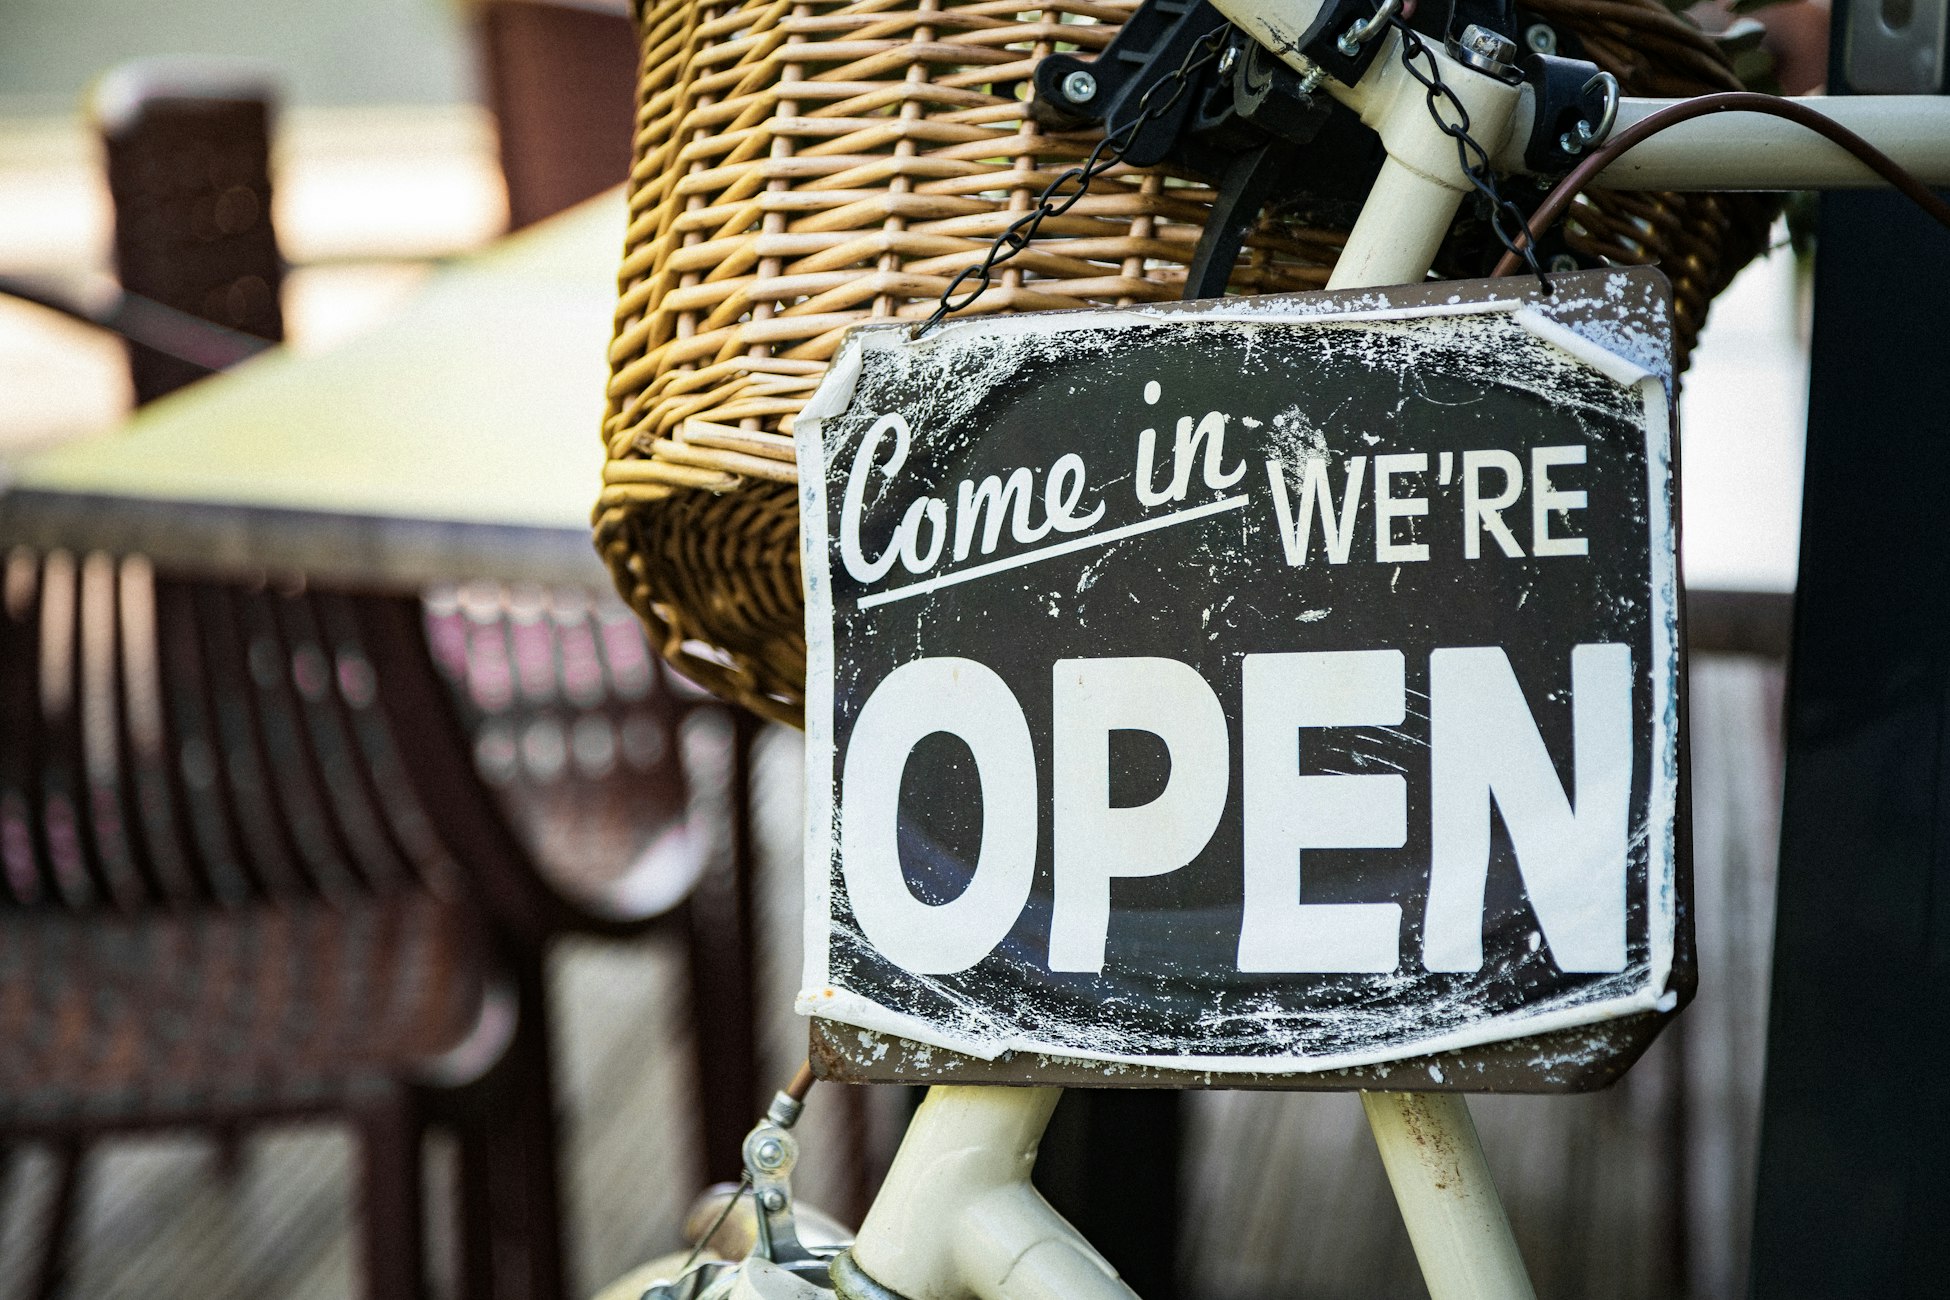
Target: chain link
{"x": 1507, "y": 221}
{"x": 1056, "y": 199}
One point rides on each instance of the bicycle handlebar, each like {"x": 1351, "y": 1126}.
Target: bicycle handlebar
{"x": 1748, "y": 151}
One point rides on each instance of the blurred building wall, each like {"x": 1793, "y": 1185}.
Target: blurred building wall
{"x": 325, "y": 51}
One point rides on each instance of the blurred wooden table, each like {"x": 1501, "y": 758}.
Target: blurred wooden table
{"x": 459, "y": 439}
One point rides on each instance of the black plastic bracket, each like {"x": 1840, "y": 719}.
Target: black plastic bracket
{"x": 1565, "y": 95}
{"x": 1072, "y": 92}
{"x": 1267, "y": 93}
{"x": 1250, "y": 180}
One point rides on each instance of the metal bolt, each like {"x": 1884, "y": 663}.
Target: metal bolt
{"x": 1361, "y": 31}
{"x": 769, "y": 1154}
{"x": 1227, "y": 58}
{"x": 1541, "y": 38}
{"x": 1563, "y": 262}
{"x": 1079, "y": 87}
{"x": 772, "y": 1199}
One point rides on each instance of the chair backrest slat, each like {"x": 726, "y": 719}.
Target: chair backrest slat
{"x": 195, "y": 771}
{"x": 333, "y": 748}
{"x": 127, "y": 868}
{"x": 149, "y": 747}
{"x": 223, "y": 702}
{"x": 409, "y": 826}
{"x": 73, "y": 863}
{"x": 25, "y": 872}
{"x": 320, "y": 851}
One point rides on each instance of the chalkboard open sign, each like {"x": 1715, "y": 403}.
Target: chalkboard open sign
{"x": 1261, "y": 686}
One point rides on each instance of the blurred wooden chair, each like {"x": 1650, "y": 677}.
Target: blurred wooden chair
{"x": 560, "y": 77}
{"x": 224, "y": 901}
{"x": 576, "y": 727}
{"x": 250, "y": 869}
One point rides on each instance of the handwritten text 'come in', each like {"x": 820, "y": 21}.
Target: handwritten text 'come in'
{"x": 1311, "y": 513}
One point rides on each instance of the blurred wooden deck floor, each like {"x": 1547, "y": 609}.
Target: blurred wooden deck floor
{"x": 1638, "y": 1193}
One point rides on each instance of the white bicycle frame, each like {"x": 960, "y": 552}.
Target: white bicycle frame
{"x": 957, "y": 1217}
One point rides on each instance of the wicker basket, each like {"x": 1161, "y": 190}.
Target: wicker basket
{"x": 804, "y": 166}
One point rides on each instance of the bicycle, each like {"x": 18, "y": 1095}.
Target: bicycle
{"x": 956, "y": 1215}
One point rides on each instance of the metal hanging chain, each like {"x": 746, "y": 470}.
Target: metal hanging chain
{"x": 1507, "y": 220}
{"x": 1055, "y": 200}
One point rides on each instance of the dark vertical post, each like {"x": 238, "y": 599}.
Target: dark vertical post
{"x": 532, "y": 1140}
{"x": 391, "y": 1210}
{"x": 1855, "y": 1164}
{"x": 57, "y": 1233}
{"x": 724, "y": 998}
{"x": 189, "y": 172}
{"x": 561, "y": 79}
{"x": 1109, "y": 1164}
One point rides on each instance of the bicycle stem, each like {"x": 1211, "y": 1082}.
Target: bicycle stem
{"x": 1422, "y": 182}
{"x": 957, "y": 1217}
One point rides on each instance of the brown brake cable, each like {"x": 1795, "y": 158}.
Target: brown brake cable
{"x": 802, "y": 1082}
{"x": 1730, "y": 101}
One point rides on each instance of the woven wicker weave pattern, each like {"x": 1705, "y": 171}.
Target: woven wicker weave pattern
{"x": 802, "y": 167}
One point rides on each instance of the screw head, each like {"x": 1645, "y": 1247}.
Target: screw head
{"x": 1563, "y": 262}
{"x": 769, "y": 1154}
{"x": 1227, "y": 58}
{"x": 1079, "y": 87}
{"x": 1541, "y": 38}
{"x": 772, "y": 1199}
